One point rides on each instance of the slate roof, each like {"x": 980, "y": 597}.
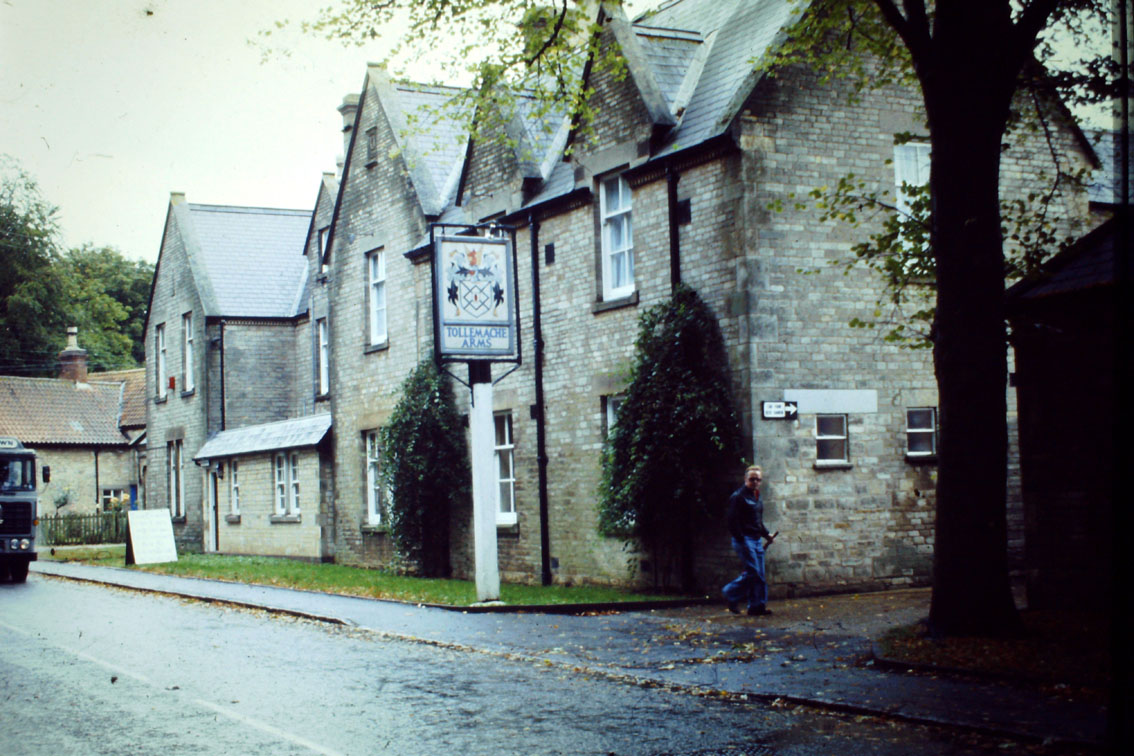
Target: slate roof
{"x": 1089, "y": 264}
{"x": 133, "y": 395}
{"x": 739, "y": 32}
{"x": 54, "y": 411}
{"x": 253, "y": 439}
{"x": 250, "y": 258}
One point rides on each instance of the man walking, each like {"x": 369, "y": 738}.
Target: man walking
{"x": 746, "y": 525}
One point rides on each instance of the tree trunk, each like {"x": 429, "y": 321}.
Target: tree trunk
{"x": 968, "y": 88}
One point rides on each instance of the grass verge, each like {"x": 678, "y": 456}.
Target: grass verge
{"x": 352, "y": 581}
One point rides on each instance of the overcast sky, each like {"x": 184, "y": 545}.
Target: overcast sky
{"x": 112, "y": 104}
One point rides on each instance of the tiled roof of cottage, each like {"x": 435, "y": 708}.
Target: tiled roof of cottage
{"x": 254, "y": 439}
{"x": 47, "y": 411}
{"x": 251, "y": 257}
{"x": 133, "y": 395}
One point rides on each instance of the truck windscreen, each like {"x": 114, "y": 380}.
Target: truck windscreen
{"x": 17, "y": 474}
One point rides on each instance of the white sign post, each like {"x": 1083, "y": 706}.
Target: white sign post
{"x": 476, "y": 320}
{"x": 483, "y": 433}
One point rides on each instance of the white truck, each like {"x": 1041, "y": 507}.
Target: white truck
{"x": 18, "y": 518}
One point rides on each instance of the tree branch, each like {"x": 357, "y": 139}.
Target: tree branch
{"x": 913, "y": 27}
{"x": 552, "y": 37}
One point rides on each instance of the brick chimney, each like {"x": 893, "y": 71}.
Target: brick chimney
{"x": 348, "y": 110}
{"x": 73, "y": 360}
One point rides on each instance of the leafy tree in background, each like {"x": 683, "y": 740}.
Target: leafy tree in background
{"x": 44, "y": 290}
{"x": 425, "y": 466}
{"x": 666, "y": 462}
{"x": 33, "y": 315}
{"x": 108, "y": 297}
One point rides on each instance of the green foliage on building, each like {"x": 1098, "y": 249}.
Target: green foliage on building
{"x": 425, "y": 466}
{"x": 666, "y": 462}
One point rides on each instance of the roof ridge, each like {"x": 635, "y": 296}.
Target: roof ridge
{"x": 246, "y": 208}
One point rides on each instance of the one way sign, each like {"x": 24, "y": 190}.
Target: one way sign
{"x": 780, "y": 410}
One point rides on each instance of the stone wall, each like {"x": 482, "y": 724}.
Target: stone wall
{"x": 256, "y": 528}
{"x": 179, "y": 415}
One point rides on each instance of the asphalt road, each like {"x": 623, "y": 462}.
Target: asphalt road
{"x": 91, "y": 670}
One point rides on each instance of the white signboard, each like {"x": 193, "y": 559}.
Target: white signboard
{"x": 149, "y": 537}
{"x": 474, "y": 301}
{"x": 780, "y": 410}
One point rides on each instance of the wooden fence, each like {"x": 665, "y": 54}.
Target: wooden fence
{"x": 79, "y": 529}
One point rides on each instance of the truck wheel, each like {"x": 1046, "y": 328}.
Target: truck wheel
{"x": 19, "y": 571}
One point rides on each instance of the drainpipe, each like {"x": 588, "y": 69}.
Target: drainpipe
{"x": 222, "y": 401}
{"x": 671, "y": 179}
{"x": 97, "y": 488}
{"x": 541, "y": 431}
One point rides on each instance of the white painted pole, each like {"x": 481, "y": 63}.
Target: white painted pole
{"x": 483, "y": 438}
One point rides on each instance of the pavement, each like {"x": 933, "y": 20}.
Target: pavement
{"x": 815, "y": 651}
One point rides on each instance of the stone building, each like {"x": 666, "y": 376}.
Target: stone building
{"x": 689, "y": 150}
{"x": 674, "y": 181}
{"x": 85, "y": 427}
{"x": 229, "y": 360}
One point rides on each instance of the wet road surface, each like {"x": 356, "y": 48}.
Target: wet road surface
{"x": 92, "y": 670}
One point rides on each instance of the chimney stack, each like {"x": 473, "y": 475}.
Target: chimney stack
{"x": 348, "y": 110}
{"x": 73, "y": 359}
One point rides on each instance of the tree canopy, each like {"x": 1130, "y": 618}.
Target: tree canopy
{"x": 44, "y": 289}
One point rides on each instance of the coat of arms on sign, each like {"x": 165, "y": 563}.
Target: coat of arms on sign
{"x": 473, "y": 282}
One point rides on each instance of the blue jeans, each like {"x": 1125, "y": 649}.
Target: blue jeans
{"x": 750, "y": 585}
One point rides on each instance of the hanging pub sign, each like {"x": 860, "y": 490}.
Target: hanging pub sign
{"x": 474, "y": 299}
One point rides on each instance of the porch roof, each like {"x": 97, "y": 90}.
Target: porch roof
{"x": 255, "y": 439}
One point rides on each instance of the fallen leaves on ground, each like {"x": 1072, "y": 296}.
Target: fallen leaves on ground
{"x": 1068, "y": 649}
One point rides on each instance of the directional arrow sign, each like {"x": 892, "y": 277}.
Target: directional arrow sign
{"x": 780, "y": 410}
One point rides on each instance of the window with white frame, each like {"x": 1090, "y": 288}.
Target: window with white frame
{"x": 921, "y": 431}
{"x": 159, "y": 344}
{"x": 113, "y": 498}
{"x": 187, "y": 352}
{"x": 234, "y": 487}
{"x": 175, "y": 478}
{"x": 375, "y": 491}
{"x": 911, "y": 169}
{"x": 504, "y": 450}
{"x": 831, "y": 438}
{"x": 287, "y": 484}
{"x": 323, "y": 348}
{"x": 293, "y": 476}
{"x": 376, "y": 296}
{"x": 617, "y": 239}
